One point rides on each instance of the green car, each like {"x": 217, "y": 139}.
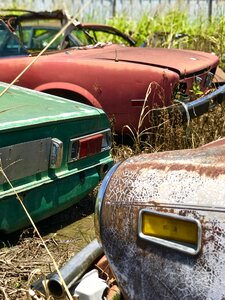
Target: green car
{"x": 53, "y": 152}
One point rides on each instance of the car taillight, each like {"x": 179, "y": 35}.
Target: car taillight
{"x": 89, "y": 145}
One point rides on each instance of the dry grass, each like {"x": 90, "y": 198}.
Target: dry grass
{"x": 26, "y": 262}
{"x": 23, "y": 258}
{"x": 170, "y": 133}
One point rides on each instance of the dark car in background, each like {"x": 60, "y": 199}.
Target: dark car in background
{"x": 123, "y": 81}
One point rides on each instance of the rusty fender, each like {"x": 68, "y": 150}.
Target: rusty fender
{"x": 161, "y": 222}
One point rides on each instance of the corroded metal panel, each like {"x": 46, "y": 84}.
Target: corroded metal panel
{"x": 25, "y": 159}
{"x": 187, "y": 183}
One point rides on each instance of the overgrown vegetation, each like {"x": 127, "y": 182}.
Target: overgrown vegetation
{"x": 165, "y": 133}
{"x": 168, "y": 133}
{"x": 175, "y": 30}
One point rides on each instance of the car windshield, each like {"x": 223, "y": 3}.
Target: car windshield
{"x": 9, "y": 43}
{"x": 37, "y": 37}
{"x": 30, "y": 37}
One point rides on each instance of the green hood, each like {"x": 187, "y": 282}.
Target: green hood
{"x": 20, "y": 107}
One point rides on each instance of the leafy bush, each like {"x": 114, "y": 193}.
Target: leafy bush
{"x": 176, "y": 30}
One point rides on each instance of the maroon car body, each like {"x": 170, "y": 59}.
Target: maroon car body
{"x": 116, "y": 78}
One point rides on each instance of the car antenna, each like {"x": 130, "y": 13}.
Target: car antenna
{"x": 70, "y": 21}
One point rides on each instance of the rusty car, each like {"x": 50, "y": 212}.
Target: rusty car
{"x": 53, "y": 152}
{"x": 160, "y": 220}
{"x": 120, "y": 80}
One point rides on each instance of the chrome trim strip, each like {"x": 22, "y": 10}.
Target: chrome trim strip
{"x": 209, "y": 79}
{"x": 56, "y": 154}
{"x": 171, "y": 244}
{"x": 100, "y": 197}
{"x": 198, "y": 79}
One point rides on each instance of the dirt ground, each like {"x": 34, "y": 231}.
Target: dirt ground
{"x": 23, "y": 258}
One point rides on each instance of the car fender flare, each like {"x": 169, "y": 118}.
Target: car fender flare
{"x": 70, "y": 87}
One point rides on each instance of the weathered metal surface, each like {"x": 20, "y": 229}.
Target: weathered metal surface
{"x": 186, "y": 183}
{"x": 25, "y": 159}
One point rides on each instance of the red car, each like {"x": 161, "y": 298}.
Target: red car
{"x": 114, "y": 77}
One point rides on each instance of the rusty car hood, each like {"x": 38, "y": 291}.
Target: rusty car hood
{"x": 183, "y": 62}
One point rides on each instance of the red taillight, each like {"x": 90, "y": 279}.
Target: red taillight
{"x": 90, "y": 145}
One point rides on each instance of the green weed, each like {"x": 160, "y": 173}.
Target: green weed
{"x": 175, "y": 29}
{"x": 167, "y": 131}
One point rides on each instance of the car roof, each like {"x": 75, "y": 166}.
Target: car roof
{"x": 29, "y": 15}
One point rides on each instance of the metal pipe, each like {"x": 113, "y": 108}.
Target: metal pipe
{"x": 74, "y": 268}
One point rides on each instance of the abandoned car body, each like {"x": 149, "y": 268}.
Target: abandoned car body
{"x": 161, "y": 224}
{"x": 53, "y": 152}
{"x": 116, "y": 78}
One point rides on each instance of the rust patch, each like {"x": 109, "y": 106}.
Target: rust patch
{"x": 165, "y": 210}
{"x": 208, "y": 160}
{"x": 97, "y": 88}
{"x": 154, "y": 203}
{"x": 170, "y": 182}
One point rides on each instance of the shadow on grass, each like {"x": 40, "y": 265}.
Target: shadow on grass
{"x": 83, "y": 208}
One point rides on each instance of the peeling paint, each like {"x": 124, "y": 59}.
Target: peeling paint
{"x": 186, "y": 183}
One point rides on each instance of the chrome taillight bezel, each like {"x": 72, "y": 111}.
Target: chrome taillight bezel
{"x": 73, "y": 153}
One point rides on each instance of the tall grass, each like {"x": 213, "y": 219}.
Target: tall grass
{"x": 163, "y": 30}
{"x": 175, "y": 30}
{"x": 170, "y": 133}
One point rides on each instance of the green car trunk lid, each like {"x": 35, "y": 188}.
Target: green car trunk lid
{"x": 22, "y": 107}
